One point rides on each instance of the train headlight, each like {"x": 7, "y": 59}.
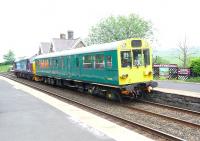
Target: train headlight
{"x": 146, "y": 73}
{"x": 124, "y": 76}
{"x": 149, "y": 89}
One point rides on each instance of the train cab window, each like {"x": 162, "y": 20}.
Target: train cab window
{"x": 136, "y": 43}
{"x": 109, "y": 61}
{"x": 146, "y": 57}
{"x": 126, "y": 60}
{"x": 87, "y": 61}
{"x": 137, "y": 57}
{"x": 99, "y": 62}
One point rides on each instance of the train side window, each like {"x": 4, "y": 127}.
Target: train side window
{"x": 87, "y": 61}
{"x": 77, "y": 62}
{"x": 49, "y": 62}
{"x": 109, "y": 61}
{"x": 62, "y": 62}
{"x": 56, "y": 63}
{"x": 42, "y": 63}
{"x": 45, "y": 63}
{"x": 99, "y": 61}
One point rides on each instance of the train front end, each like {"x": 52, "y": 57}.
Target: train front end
{"x": 135, "y": 72}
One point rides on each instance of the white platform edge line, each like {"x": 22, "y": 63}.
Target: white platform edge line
{"x": 179, "y": 92}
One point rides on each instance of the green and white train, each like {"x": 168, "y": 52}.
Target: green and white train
{"x": 114, "y": 70}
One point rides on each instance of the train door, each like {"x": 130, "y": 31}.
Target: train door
{"x": 62, "y": 69}
{"x": 77, "y": 66}
{"x": 68, "y": 67}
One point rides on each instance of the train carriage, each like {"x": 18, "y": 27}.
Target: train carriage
{"x": 117, "y": 69}
{"x": 24, "y": 68}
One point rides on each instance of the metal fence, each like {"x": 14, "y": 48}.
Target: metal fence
{"x": 170, "y": 71}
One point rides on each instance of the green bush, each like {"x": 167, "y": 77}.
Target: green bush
{"x": 194, "y": 79}
{"x": 5, "y": 68}
{"x": 195, "y": 66}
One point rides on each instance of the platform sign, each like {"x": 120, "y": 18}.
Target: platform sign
{"x": 170, "y": 71}
{"x": 164, "y": 71}
{"x": 184, "y": 71}
{"x": 166, "y": 65}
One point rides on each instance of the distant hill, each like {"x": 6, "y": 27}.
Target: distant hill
{"x": 172, "y": 54}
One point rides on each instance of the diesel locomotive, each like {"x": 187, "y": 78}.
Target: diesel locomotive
{"x": 114, "y": 70}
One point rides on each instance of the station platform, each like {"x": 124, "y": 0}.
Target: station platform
{"x": 179, "y": 88}
{"x": 30, "y": 115}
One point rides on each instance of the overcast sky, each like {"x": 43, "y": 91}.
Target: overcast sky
{"x": 26, "y": 23}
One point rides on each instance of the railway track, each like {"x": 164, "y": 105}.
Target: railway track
{"x": 125, "y": 122}
{"x": 171, "y": 107}
{"x": 172, "y": 119}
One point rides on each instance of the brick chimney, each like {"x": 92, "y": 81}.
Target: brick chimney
{"x": 62, "y": 36}
{"x": 70, "y": 34}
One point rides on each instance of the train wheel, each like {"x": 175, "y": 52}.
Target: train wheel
{"x": 116, "y": 95}
{"x": 109, "y": 96}
{"x": 91, "y": 90}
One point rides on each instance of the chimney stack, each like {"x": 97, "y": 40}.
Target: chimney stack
{"x": 62, "y": 36}
{"x": 70, "y": 35}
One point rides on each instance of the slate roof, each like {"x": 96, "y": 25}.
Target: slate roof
{"x": 45, "y": 47}
{"x": 64, "y": 44}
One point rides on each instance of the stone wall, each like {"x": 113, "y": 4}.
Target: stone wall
{"x": 191, "y": 103}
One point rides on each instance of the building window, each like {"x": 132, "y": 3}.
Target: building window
{"x": 87, "y": 61}
{"x": 109, "y": 61}
{"x": 99, "y": 61}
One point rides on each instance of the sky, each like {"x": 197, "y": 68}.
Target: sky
{"x": 26, "y": 23}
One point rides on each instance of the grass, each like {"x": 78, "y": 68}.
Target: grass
{"x": 193, "y": 79}
{"x": 5, "y": 68}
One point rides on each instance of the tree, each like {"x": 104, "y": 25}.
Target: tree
{"x": 184, "y": 53}
{"x": 119, "y": 28}
{"x": 9, "y": 57}
{"x": 195, "y": 66}
{"x": 160, "y": 60}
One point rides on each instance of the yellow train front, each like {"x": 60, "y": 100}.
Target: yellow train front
{"x": 135, "y": 67}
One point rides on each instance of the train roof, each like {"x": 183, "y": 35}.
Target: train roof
{"x": 30, "y": 58}
{"x": 88, "y": 49}
{"x": 21, "y": 58}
